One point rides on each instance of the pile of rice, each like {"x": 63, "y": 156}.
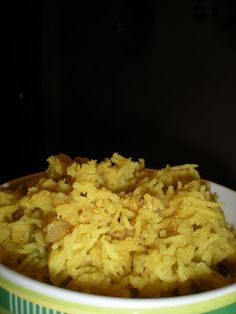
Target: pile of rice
{"x": 117, "y": 228}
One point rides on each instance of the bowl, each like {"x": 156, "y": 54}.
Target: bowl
{"x": 22, "y": 295}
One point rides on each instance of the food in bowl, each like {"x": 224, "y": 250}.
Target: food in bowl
{"x": 116, "y": 228}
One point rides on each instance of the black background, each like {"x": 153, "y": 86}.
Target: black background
{"x": 151, "y": 79}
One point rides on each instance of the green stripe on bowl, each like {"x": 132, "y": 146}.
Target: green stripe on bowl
{"x": 230, "y": 309}
{"x": 4, "y": 299}
{"x": 207, "y": 307}
{"x": 10, "y": 303}
{"x": 24, "y": 309}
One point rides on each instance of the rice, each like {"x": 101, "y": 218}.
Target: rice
{"x": 119, "y": 229}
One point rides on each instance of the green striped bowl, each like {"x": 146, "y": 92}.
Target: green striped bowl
{"x": 22, "y": 295}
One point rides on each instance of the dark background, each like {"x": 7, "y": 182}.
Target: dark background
{"x": 152, "y": 79}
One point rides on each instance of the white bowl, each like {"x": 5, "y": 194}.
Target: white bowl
{"x": 22, "y": 295}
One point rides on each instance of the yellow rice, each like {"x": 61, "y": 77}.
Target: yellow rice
{"x": 117, "y": 228}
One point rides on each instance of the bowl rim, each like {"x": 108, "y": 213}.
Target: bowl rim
{"x": 99, "y": 300}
